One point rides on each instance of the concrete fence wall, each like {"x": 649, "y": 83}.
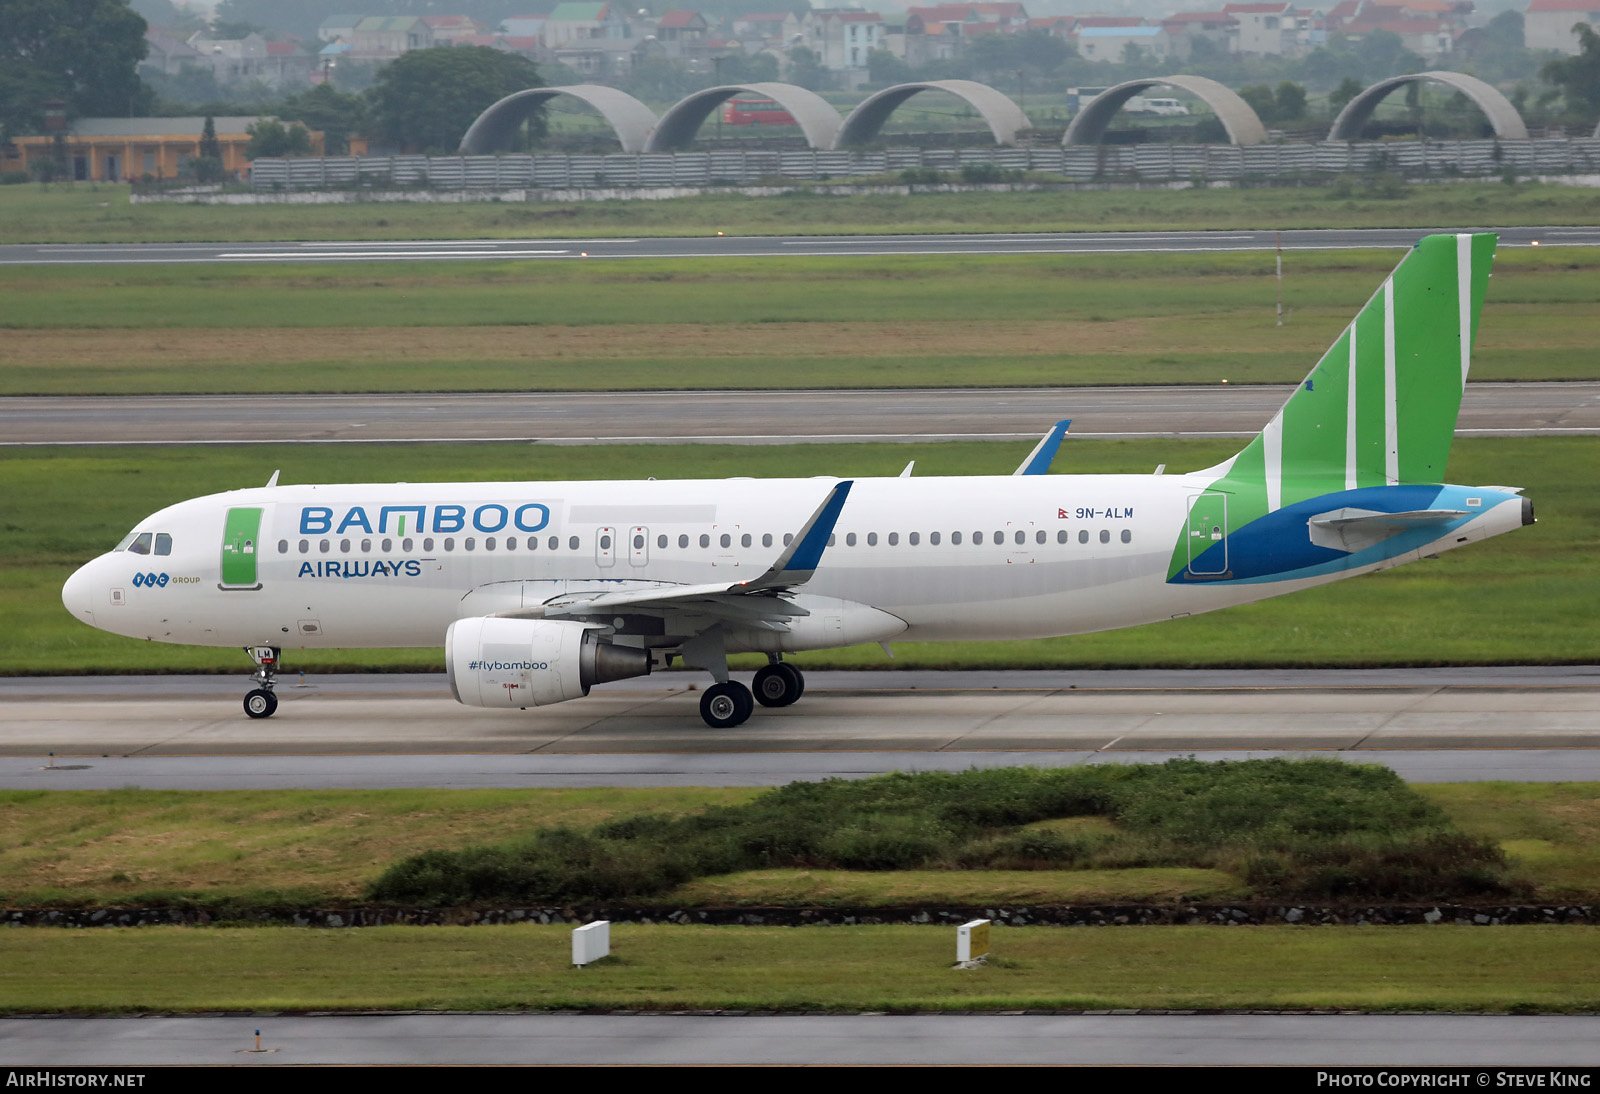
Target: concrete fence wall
{"x": 1149, "y": 163}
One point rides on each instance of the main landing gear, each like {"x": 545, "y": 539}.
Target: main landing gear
{"x": 261, "y": 702}
{"x": 730, "y": 704}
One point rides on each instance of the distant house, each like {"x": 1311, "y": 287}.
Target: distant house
{"x": 843, "y": 37}
{"x": 385, "y": 37}
{"x": 1111, "y": 43}
{"x": 337, "y": 28}
{"x": 576, "y": 23}
{"x": 1547, "y": 24}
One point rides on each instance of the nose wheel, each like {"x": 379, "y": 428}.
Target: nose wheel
{"x": 261, "y": 702}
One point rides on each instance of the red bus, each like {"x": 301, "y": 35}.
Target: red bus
{"x": 755, "y": 112}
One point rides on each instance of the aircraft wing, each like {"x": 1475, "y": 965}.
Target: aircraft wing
{"x": 1044, "y": 453}
{"x": 757, "y": 602}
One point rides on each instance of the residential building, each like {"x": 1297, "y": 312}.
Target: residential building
{"x": 1547, "y": 24}
{"x": 121, "y": 149}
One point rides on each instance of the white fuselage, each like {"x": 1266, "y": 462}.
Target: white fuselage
{"x": 382, "y": 565}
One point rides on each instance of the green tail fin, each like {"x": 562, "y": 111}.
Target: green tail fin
{"x": 1380, "y": 407}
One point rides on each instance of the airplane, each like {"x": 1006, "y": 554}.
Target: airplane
{"x": 541, "y": 590}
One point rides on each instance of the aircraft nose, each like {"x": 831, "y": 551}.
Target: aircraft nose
{"x": 77, "y": 596}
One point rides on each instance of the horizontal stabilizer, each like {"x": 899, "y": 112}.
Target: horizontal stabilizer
{"x": 1357, "y": 529}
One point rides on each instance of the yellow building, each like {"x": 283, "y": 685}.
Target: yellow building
{"x": 129, "y": 149}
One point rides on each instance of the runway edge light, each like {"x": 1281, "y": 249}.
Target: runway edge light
{"x": 591, "y": 942}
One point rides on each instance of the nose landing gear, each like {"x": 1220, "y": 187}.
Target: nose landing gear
{"x": 261, "y": 702}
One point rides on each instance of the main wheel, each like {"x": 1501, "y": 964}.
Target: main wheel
{"x": 724, "y": 706}
{"x": 260, "y": 703}
{"x": 778, "y": 685}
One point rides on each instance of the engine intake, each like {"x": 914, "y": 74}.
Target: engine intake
{"x": 498, "y": 662}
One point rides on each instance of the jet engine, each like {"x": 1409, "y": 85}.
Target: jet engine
{"x": 499, "y": 662}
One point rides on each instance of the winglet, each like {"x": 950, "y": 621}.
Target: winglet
{"x": 799, "y": 560}
{"x": 1039, "y": 460}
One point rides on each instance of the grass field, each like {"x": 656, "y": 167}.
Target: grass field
{"x": 1523, "y": 598}
{"x": 225, "y": 849}
{"x": 744, "y": 323}
{"x": 102, "y": 213}
{"x": 1441, "y": 968}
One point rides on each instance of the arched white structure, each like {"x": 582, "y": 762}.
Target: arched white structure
{"x": 1242, "y": 124}
{"x": 676, "y": 129}
{"x": 1508, "y": 124}
{"x": 1003, "y": 116}
{"x": 630, "y": 119}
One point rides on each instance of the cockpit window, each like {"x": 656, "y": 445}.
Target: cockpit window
{"x": 163, "y": 543}
{"x": 127, "y": 539}
{"x": 141, "y": 545}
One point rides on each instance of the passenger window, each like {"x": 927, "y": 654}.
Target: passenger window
{"x": 872, "y": 539}
{"x": 1105, "y": 535}
{"x": 955, "y": 538}
{"x": 449, "y": 543}
{"x": 533, "y": 543}
{"x": 1061, "y": 536}
{"x": 366, "y": 546}
{"x": 850, "y": 540}
{"x": 894, "y": 538}
{"x": 788, "y": 537}
{"x": 1127, "y": 536}
{"x": 140, "y": 546}
{"x": 469, "y": 543}
{"x": 638, "y": 543}
{"x": 683, "y": 541}
{"x": 344, "y": 546}
{"x": 1083, "y": 535}
{"x": 405, "y": 545}
{"x": 1022, "y": 537}
{"x": 554, "y": 542}
{"x": 323, "y": 546}
{"x": 1040, "y": 537}
{"x": 705, "y": 541}
{"x": 305, "y": 545}
{"x": 388, "y": 545}
{"x": 766, "y": 540}
{"x": 488, "y": 543}
{"x": 933, "y": 539}
{"x": 744, "y": 540}
{"x": 283, "y": 546}
{"x": 427, "y": 544}
{"x": 572, "y": 543}
{"x": 163, "y": 543}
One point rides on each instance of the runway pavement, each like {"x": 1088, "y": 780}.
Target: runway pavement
{"x": 736, "y": 417}
{"x": 407, "y": 731}
{"x": 433, "y": 250}
{"x": 1469, "y": 1045}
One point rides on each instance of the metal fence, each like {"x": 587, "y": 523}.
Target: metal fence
{"x": 1090, "y": 163}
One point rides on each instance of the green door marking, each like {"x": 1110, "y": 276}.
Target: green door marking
{"x": 241, "y": 538}
{"x": 1208, "y": 527}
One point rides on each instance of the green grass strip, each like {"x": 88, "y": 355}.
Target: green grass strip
{"x": 103, "y": 213}
{"x": 1440, "y": 968}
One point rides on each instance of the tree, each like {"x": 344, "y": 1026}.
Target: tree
{"x": 884, "y": 69}
{"x": 1578, "y": 76}
{"x": 1340, "y": 97}
{"x": 1262, "y": 101}
{"x": 84, "y": 52}
{"x": 427, "y": 99}
{"x": 805, "y": 69}
{"x": 269, "y": 137}
{"x": 1290, "y": 101}
{"x": 329, "y": 110}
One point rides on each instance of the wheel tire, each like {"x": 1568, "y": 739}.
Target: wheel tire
{"x": 799, "y": 680}
{"x": 777, "y": 685}
{"x": 260, "y": 703}
{"x": 724, "y": 706}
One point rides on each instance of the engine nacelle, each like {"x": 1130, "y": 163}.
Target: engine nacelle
{"x": 496, "y": 662}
